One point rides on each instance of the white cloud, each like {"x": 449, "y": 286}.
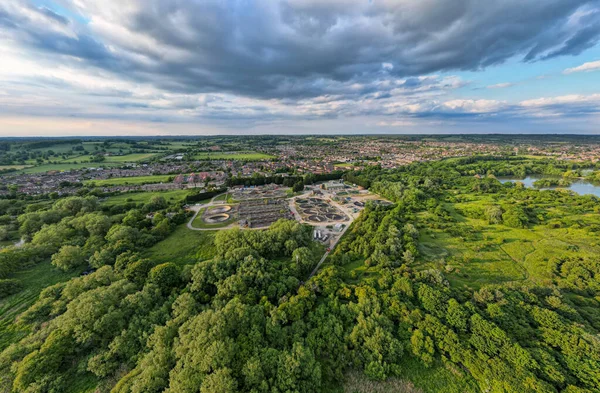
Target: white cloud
{"x": 501, "y": 85}
{"x": 585, "y": 67}
{"x": 397, "y": 123}
{"x": 474, "y": 106}
{"x": 561, "y": 100}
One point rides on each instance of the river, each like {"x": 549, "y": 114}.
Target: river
{"x": 579, "y": 186}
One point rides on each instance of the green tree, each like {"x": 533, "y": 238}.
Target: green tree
{"x": 68, "y": 258}
{"x": 220, "y": 381}
{"x": 166, "y": 275}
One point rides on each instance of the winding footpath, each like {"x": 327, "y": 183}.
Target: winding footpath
{"x": 331, "y": 248}
{"x": 198, "y": 207}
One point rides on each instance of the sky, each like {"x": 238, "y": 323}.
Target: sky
{"x": 206, "y": 67}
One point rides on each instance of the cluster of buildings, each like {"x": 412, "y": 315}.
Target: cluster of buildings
{"x": 201, "y": 177}
{"x": 307, "y": 156}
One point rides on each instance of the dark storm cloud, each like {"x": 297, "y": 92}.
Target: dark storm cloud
{"x": 304, "y": 48}
{"x": 44, "y": 30}
{"x": 51, "y": 14}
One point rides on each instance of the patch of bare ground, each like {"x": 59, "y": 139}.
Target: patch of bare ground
{"x": 356, "y": 382}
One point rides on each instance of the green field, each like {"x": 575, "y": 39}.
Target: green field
{"x": 241, "y": 155}
{"x": 496, "y": 253}
{"x": 34, "y": 280}
{"x": 59, "y": 148}
{"x": 119, "y": 181}
{"x": 183, "y": 247}
{"x": 66, "y": 167}
{"x": 438, "y": 378}
{"x": 15, "y": 167}
{"x": 144, "y": 197}
{"x": 180, "y": 145}
{"x": 111, "y": 159}
{"x": 484, "y": 253}
{"x": 344, "y": 165}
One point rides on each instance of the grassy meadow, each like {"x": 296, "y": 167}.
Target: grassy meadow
{"x": 144, "y": 197}
{"x": 183, "y": 247}
{"x": 136, "y": 157}
{"x": 242, "y": 155}
{"x": 120, "y": 181}
{"x": 34, "y": 280}
{"x": 495, "y": 253}
{"x": 61, "y": 167}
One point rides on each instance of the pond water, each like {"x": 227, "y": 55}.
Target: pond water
{"x": 579, "y": 186}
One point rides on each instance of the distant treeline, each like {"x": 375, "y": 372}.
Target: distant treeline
{"x": 46, "y": 143}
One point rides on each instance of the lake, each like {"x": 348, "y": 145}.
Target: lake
{"x": 578, "y": 186}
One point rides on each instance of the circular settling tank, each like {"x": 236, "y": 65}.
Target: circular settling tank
{"x": 217, "y": 218}
{"x": 220, "y": 209}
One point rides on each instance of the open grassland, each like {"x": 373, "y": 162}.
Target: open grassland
{"x": 60, "y": 148}
{"x": 413, "y": 378}
{"x": 493, "y": 253}
{"x": 116, "y": 148}
{"x": 136, "y": 157}
{"x": 66, "y": 167}
{"x": 80, "y": 161}
{"x": 179, "y": 145}
{"x": 120, "y": 181}
{"x": 183, "y": 247}
{"x": 15, "y": 167}
{"x": 112, "y": 159}
{"x": 34, "y": 280}
{"x": 472, "y": 253}
{"x": 241, "y": 155}
{"x": 437, "y": 378}
{"x": 344, "y": 165}
{"x": 144, "y": 197}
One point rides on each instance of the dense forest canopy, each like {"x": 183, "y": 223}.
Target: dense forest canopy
{"x": 246, "y": 319}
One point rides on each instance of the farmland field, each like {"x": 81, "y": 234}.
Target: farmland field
{"x": 15, "y": 167}
{"x": 144, "y": 197}
{"x": 112, "y": 159}
{"x": 66, "y": 167}
{"x": 242, "y": 155}
{"x": 118, "y": 181}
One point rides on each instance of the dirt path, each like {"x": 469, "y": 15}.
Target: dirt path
{"x": 331, "y": 248}
{"x": 292, "y": 201}
{"x": 520, "y": 264}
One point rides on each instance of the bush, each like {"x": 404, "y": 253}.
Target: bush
{"x": 9, "y": 287}
{"x": 166, "y": 275}
{"x": 68, "y": 257}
